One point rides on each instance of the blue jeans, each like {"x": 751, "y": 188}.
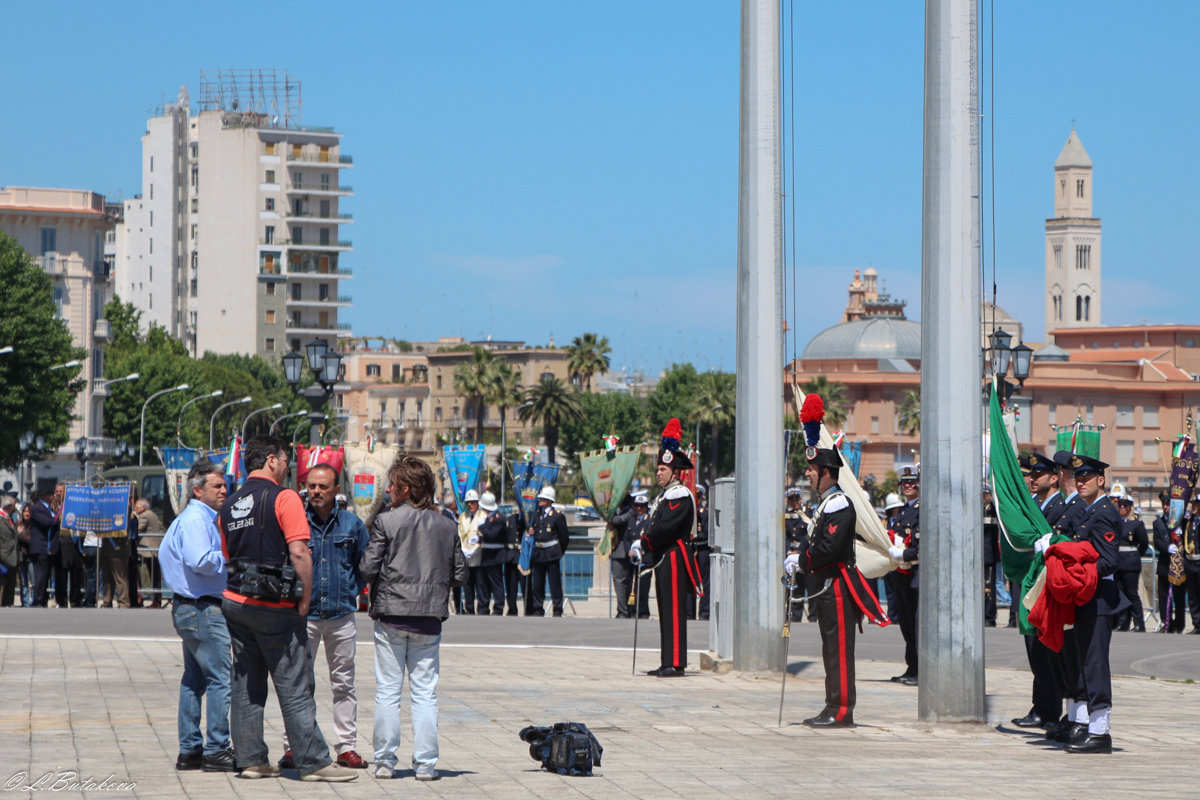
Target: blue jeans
{"x": 396, "y": 652}
{"x": 272, "y": 641}
{"x": 207, "y": 666}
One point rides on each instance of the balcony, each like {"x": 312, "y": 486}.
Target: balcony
{"x": 320, "y": 189}
{"x": 339, "y": 301}
{"x": 309, "y": 216}
{"x": 316, "y": 272}
{"x": 102, "y": 331}
{"x": 338, "y": 246}
{"x": 318, "y": 159}
{"x": 316, "y": 327}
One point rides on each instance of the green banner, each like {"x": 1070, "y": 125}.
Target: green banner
{"x": 1086, "y": 443}
{"x": 607, "y": 476}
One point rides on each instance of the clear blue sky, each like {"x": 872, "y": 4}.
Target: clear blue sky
{"x": 528, "y": 169}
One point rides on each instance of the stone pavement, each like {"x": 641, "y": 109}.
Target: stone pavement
{"x": 98, "y": 707}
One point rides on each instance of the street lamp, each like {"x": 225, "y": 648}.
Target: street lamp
{"x": 67, "y": 365}
{"x": 133, "y": 376}
{"x": 5, "y": 350}
{"x": 278, "y": 420}
{"x": 179, "y": 422}
{"x": 87, "y": 450}
{"x": 142, "y": 436}
{"x": 31, "y": 445}
{"x": 257, "y": 411}
{"x": 212, "y": 421}
{"x": 325, "y": 365}
{"x": 1003, "y": 356}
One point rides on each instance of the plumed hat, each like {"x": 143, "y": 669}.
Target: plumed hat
{"x": 668, "y": 451}
{"x": 812, "y": 413}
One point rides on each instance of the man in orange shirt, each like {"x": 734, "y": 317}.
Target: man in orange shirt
{"x": 264, "y": 535}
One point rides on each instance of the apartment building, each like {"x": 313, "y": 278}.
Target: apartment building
{"x": 236, "y": 242}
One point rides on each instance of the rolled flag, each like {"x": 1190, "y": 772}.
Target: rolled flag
{"x": 838, "y": 438}
{"x": 235, "y": 456}
{"x": 812, "y": 413}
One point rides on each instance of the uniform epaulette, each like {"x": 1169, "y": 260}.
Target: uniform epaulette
{"x": 837, "y": 503}
{"x": 677, "y": 492}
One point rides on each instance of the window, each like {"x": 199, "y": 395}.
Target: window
{"x": 296, "y": 151}
{"x": 150, "y": 297}
{"x": 325, "y": 181}
{"x": 324, "y": 236}
{"x": 151, "y": 246}
{"x": 269, "y": 345}
{"x": 298, "y": 208}
{"x": 874, "y": 424}
{"x": 297, "y": 178}
{"x": 270, "y": 176}
{"x": 295, "y": 291}
{"x": 1150, "y": 452}
{"x": 324, "y": 209}
{"x": 195, "y": 206}
{"x": 268, "y": 234}
{"x": 324, "y": 152}
{"x": 1079, "y": 188}
{"x": 151, "y": 197}
{"x": 1052, "y": 410}
{"x": 270, "y": 204}
{"x": 547, "y": 376}
{"x": 397, "y": 372}
{"x": 297, "y": 234}
{"x": 471, "y": 412}
{"x": 196, "y": 178}
{"x": 296, "y": 344}
{"x": 1087, "y": 308}
{"x": 1088, "y": 415}
{"x": 271, "y": 288}
{"x": 151, "y": 266}
{"x": 1062, "y": 188}
{"x": 270, "y": 148}
{"x": 372, "y": 370}
{"x": 270, "y": 316}
{"x": 152, "y": 166}
{"x": 1124, "y": 416}
{"x": 439, "y": 384}
{"x": 437, "y": 414}
{"x": 1058, "y": 256}
{"x": 1083, "y": 253}
{"x": 1149, "y": 416}
{"x": 1124, "y": 453}
{"x": 49, "y": 240}
{"x": 322, "y": 291}
{"x": 1078, "y": 308}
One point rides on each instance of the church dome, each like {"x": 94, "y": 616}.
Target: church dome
{"x": 872, "y": 337}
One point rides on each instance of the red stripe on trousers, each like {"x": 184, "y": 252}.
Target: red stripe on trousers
{"x": 841, "y": 623}
{"x": 675, "y": 605}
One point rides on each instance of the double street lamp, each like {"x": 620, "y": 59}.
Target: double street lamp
{"x": 31, "y": 445}
{"x": 142, "y": 436}
{"x": 326, "y": 366}
{"x": 1003, "y": 356}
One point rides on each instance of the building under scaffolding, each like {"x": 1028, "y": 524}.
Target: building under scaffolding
{"x": 252, "y": 98}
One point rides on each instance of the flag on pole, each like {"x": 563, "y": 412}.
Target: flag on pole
{"x": 235, "y": 458}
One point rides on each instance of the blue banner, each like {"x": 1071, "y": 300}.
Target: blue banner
{"x": 101, "y": 509}
{"x": 177, "y": 457}
{"x": 464, "y": 463}
{"x": 221, "y": 457}
{"x": 852, "y": 451}
{"x": 528, "y": 479}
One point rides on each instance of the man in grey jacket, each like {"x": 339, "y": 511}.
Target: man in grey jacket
{"x": 412, "y": 562}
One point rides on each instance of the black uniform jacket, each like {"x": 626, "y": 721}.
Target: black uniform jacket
{"x": 907, "y": 523}
{"x": 493, "y": 538}
{"x": 1101, "y": 525}
{"x": 672, "y": 520}
{"x": 1054, "y": 508}
{"x": 550, "y": 535}
{"x": 1162, "y": 544}
{"x": 831, "y": 536}
{"x": 1133, "y": 535}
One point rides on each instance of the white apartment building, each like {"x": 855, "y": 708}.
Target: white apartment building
{"x": 64, "y": 231}
{"x": 234, "y": 245}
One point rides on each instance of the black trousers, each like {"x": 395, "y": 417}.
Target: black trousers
{"x": 41, "y": 578}
{"x": 671, "y": 584}
{"x": 1093, "y": 634}
{"x": 1045, "y": 665}
{"x": 704, "y": 562}
{"x": 513, "y": 580}
{"x": 623, "y": 571}
{"x": 906, "y": 618}
{"x": 69, "y": 574}
{"x": 489, "y": 589}
{"x": 1171, "y": 596}
{"x": 1193, "y": 594}
{"x": 837, "y": 618}
{"x": 1068, "y": 661}
{"x": 8, "y": 585}
{"x": 1127, "y": 582}
{"x": 538, "y": 574}
{"x": 989, "y": 594}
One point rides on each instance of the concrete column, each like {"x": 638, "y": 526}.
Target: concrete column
{"x": 951, "y": 591}
{"x": 758, "y": 517}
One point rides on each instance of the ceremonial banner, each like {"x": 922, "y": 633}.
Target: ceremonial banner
{"x": 1021, "y": 522}
{"x": 464, "y": 463}
{"x": 308, "y": 457}
{"x": 1076, "y": 440}
{"x": 103, "y": 510}
{"x": 177, "y": 461}
{"x": 871, "y": 550}
{"x": 852, "y": 453}
{"x": 607, "y": 476}
{"x": 528, "y": 479}
{"x": 1183, "y": 480}
{"x": 221, "y": 458}
{"x": 367, "y": 468}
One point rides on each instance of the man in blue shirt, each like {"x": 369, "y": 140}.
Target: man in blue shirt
{"x": 194, "y": 567}
{"x": 338, "y": 540}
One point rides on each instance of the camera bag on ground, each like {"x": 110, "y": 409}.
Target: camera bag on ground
{"x": 567, "y": 748}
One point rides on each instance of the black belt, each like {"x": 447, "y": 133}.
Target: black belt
{"x": 208, "y": 598}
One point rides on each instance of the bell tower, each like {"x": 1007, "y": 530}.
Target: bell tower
{"x": 1072, "y": 244}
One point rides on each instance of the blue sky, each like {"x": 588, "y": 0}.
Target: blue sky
{"x": 528, "y": 169}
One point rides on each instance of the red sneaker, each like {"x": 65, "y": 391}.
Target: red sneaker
{"x": 351, "y": 759}
{"x": 286, "y": 762}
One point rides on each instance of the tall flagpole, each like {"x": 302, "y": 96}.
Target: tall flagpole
{"x": 758, "y": 517}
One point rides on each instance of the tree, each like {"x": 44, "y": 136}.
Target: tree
{"x": 834, "y": 397}
{"x": 587, "y": 355}
{"x": 35, "y": 398}
{"x": 603, "y": 414}
{"x": 908, "y": 415}
{"x": 502, "y": 388}
{"x": 673, "y": 395}
{"x": 714, "y": 404}
{"x": 471, "y": 381}
{"x": 551, "y": 403}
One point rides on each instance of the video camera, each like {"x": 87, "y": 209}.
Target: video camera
{"x": 275, "y": 584}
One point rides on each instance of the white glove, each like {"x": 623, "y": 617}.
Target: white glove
{"x": 896, "y": 553}
{"x": 791, "y": 564}
{"x": 473, "y": 541}
{"x": 1173, "y": 549}
{"x": 635, "y": 552}
{"x": 1041, "y": 544}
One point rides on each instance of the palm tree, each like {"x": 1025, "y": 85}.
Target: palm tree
{"x": 713, "y": 404}
{"x": 834, "y": 397}
{"x": 587, "y": 355}
{"x": 471, "y": 382}
{"x": 550, "y": 403}
{"x": 908, "y": 415}
{"x": 504, "y": 391}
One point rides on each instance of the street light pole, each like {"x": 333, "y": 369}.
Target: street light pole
{"x": 212, "y": 421}
{"x": 179, "y": 422}
{"x": 281, "y": 419}
{"x": 257, "y": 411}
{"x": 142, "y": 436}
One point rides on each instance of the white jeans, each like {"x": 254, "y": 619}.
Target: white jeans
{"x": 396, "y": 652}
{"x": 338, "y": 637}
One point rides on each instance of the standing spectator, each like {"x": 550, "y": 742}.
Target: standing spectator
{"x": 493, "y": 535}
{"x": 630, "y": 525}
{"x": 25, "y": 565}
{"x": 10, "y": 551}
{"x": 149, "y": 538}
{"x": 906, "y": 580}
{"x": 412, "y": 562}
{"x": 338, "y": 541}
{"x": 194, "y": 568}
{"x": 69, "y": 573}
{"x": 114, "y": 566}
{"x": 703, "y": 551}
{"x": 1133, "y": 543}
{"x": 43, "y": 540}
{"x": 991, "y": 556}
{"x": 1166, "y": 543}
{"x": 468, "y": 536}
{"x": 264, "y": 529}
{"x": 90, "y": 546}
{"x": 514, "y": 529}
{"x": 550, "y": 539}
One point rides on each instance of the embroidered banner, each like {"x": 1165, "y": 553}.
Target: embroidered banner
{"x": 367, "y": 466}
{"x": 464, "y": 463}
{"x": 99, "y": 509}
{"x": 607, "y": 475}
{"x": 528, "y": 479}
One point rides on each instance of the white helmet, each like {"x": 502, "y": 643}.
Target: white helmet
{"x": 892, "y": 501}
{"x": 488, "y": 502}
{"x": 547, "y": 493}
{"x": 472, "y": 496}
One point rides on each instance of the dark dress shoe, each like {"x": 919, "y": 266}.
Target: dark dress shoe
{"x": 1140, "y": 629}
{"x": 826, "y": 720}
{"x": 1092, "y": 743}
{"x": 220, "y": 762}
{"x": 1054, "y": 728}
{"x": 1031, "y": 720}
{"x": 287, "y": 762}
{"x": 1071, "y": 733}
{"x": 907, "y": 680}
{"x": 189, "y": 761}
{"x": 666, "y": 672}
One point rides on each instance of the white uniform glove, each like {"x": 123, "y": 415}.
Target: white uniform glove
{"x": 791, "y": 564}
{"x": 1042, "y": 544}
{"x": 1173, "y": 549}
{"x": 473, "y": 541}
{"x": 896, "y": 553}
{"x": 635, "y": 552}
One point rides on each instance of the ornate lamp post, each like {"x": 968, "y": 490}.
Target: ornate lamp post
{"x": 326, "y": 366}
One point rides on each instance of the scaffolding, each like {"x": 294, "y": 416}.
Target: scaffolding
{"x": 258, "y": 98}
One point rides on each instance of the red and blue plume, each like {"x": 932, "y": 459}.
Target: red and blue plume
{"x": 811, "y": 415}
{"x": 672, "y": 434}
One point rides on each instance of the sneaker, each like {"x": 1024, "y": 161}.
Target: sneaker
{"x": 383, "y": 771}
{"x": 220, "y": 762}
{"x": 259, "y": 771}
{"x": 426, "y": 772}
{"x": 188, "y": 761}
{"x": 332, "y": 773}
{"x": 352, "y": 759}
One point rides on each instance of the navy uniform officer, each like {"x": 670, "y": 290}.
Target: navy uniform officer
{"x": 1100, "y": 525}
{"x": 630, "y": 525}
{"x": 1166, "y": 542}
{"x": 702, "y": 551}
{"x": 906, "y": 525}
{"x": 795, "y": 534}
{"x": 550, "y": 540}
{"x": 1134, "y": 542}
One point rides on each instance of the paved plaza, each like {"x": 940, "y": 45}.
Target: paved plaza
{"x": 94, "y": 702}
